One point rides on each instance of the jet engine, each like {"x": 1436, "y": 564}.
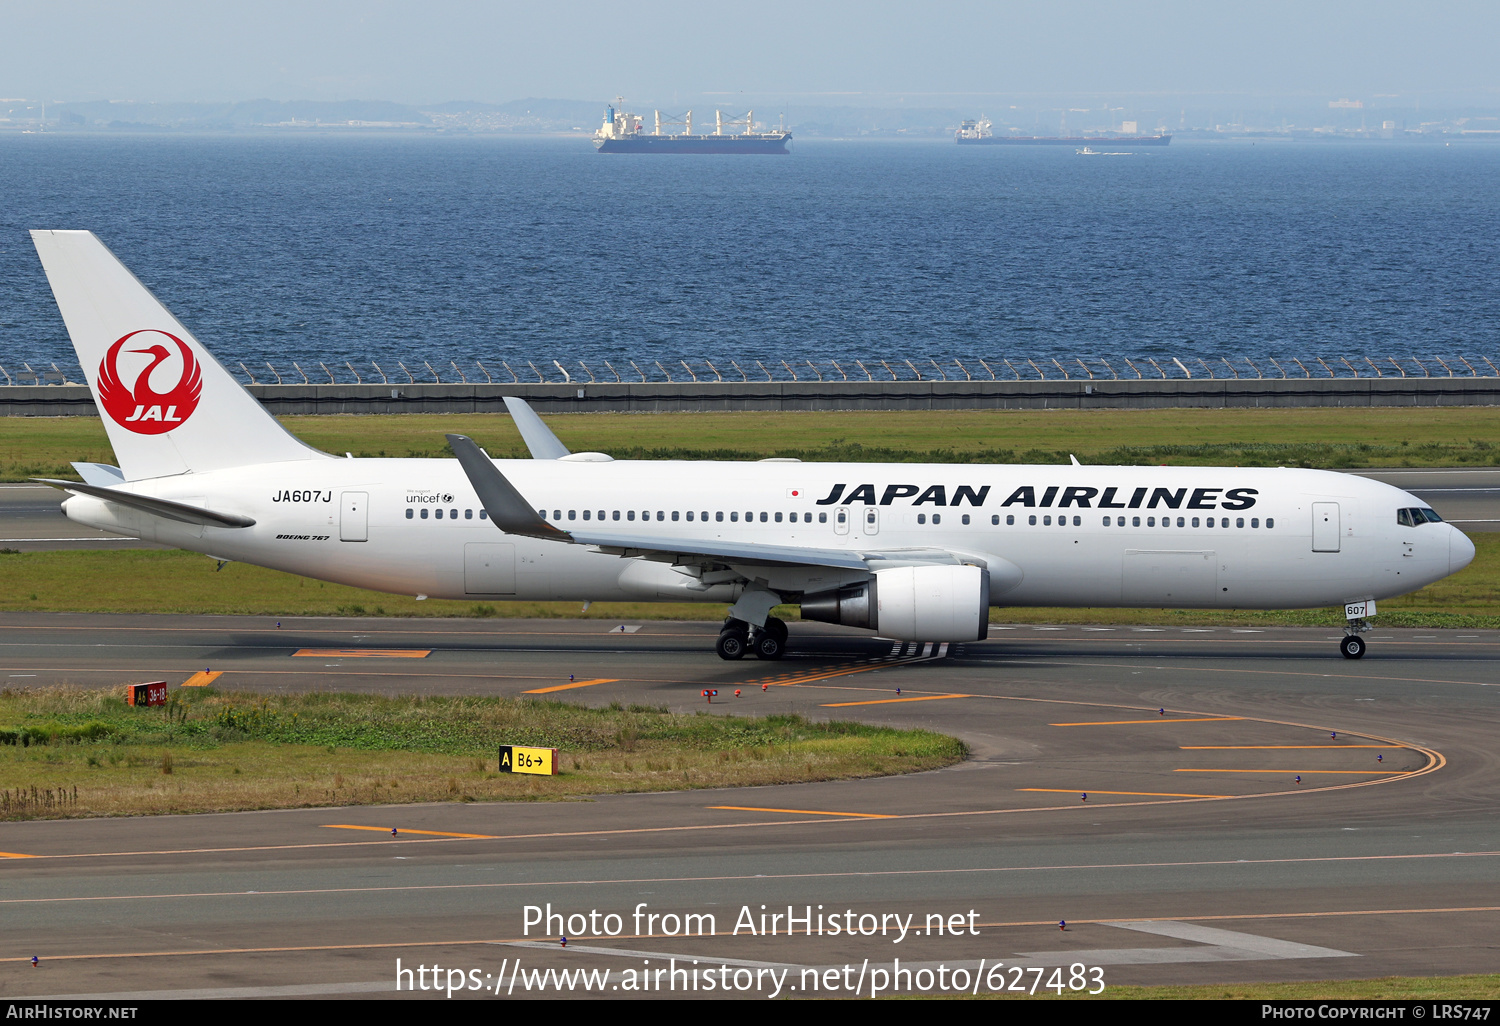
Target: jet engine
{"x": 911, "y": 603}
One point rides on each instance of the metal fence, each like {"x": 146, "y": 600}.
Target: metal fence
{"x": 501, "y": 371}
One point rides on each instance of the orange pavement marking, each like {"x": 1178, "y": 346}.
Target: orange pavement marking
{"x": 14, "y": 855}
{"x": 803, "y": 812}
{"x": 429, "y": 833}
{"x": 1118, "y": 723}
{"x": 366, "y": 653}
{"x": 202, "y": 679}
{"x": 1138, "y": 794}
{"x": 1345, "y": 773}
{"x": 570, "y": 684}
{"x": 1246, "y": 748}
{"x": 886, "y": 701}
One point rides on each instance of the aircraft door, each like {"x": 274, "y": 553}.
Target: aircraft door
{"x": 872, "y": 520}
{"x": 841, "y": 520}
{"x": 1325, "y": 537}
{"x": 354, "y": 516}
{"x": 489, "y": 568}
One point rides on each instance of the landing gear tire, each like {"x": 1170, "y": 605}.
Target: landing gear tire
{"x": 732, "y": 644}
{"x": 1352, "y": 646}
{"x": 777, "y": 627}
{"x": 768, "y": 646}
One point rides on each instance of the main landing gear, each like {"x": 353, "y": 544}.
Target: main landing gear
{"x": 737, "y": 637}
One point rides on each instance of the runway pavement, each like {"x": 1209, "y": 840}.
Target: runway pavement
{"x": 31, "y": 521}
{"x": 1196, "y": 857}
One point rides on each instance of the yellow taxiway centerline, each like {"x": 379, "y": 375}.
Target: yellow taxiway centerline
{"x": 571, "y": 684}
{"x": 408, "y": 830}
{"x": 1346, "y": 773}
{"x": 365, "y": 653}
{"x": 1121, "y": 723}
{"x": 14, "y": 855}
{"x": 803, "y": 812}
{"x": 887, "y": 701}
{"x": 203, "y": 678}
{"x": 1138, "y": 794}
{"x": 1248, "y": 748}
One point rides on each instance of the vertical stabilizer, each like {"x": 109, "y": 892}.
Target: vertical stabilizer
{"x": 168, "y": 406}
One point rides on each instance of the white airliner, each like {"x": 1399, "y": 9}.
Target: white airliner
{"x": 916, "y": 552}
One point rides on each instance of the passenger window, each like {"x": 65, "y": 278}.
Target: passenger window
{"x": 843, "y": 516}
{"x": 1270, "y": 523}
{"x": 1150, "y": 521}
{"x": 1195, "y": 521}
{"x": 438, "y": 514}
{"x": 763, "y": 518}
{"x": 572, "y": 514}
{"x": 614, "y": 515}
{"x": 1239, "y": 521}
{"x": 585, "y": 514}
{"x": 1078, "y": 521}
{"x": 1031, "y": 520}
{"x": 630, "y": 514}
{"x": 674, "y": 514}
{"x": 966, "y": 520}
{"x": 921, "y": 518}
{"x": 469, "y": 514}
{"x": 734, "y": 516}
{"x": 484, "y": 514}
{"x": 822, "y": 518}
{"x": 408, "y": 513}
{"x": 1135, "y": 521}
{"x": 1010, "y": 519}
{"x": 1181, "y": 522}
{"x": 718, "y": 516}
{"x": 995, "y": 520}
{"x": 661, "y": 515}
{"x": 1224, "y": 522}
{"x": 937, "y": 518}
{"x": 1255, "y": 521}
{"x": 690, "y": 515}
{"x": 1047, "y": 521}
{"x": 703, "y": 516}
{"x": 1106, "y": 521}
{"x": 453, "y": 514}
{"x": 424, "y": 512}
{"x": 557, "y": 514}
{"x": 778, "y": 518}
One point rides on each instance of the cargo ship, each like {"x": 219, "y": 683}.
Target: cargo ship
{"x": 977, "y": 133}
{"x": 623, "y": 132}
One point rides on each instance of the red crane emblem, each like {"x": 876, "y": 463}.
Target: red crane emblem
{"x": 140, "y": 408}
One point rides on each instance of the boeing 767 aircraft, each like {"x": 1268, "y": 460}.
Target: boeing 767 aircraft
{"x": 915, "y": 552}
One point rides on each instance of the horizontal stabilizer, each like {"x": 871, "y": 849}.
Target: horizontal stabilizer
{"x": 179, "y": 511}
{"x": 100, "y": 474}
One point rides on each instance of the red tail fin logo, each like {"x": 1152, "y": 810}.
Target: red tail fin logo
{"x": 139, "y": 407}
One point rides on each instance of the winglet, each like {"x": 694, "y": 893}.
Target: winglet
{"x": 544, "y": 445}
{"x": 507, "y": 507}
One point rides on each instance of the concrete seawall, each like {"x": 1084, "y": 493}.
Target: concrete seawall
{"x": 660, "y": 397}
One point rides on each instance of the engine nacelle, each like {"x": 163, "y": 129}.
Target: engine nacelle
{"x": 911, "y": 603}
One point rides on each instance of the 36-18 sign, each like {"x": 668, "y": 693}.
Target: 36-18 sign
{"x": 521, "y": 759}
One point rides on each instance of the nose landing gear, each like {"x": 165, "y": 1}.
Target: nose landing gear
{"x": 1356, "y": 622}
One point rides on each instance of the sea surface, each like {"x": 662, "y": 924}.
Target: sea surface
{"x": 443, "y": 250}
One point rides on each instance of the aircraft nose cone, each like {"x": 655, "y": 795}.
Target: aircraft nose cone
{"x": 1460, "y": 550}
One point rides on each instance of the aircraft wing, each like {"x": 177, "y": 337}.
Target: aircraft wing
{"x": 510, "y": 512}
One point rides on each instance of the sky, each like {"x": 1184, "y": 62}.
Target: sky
{"x": 812, "y": 51}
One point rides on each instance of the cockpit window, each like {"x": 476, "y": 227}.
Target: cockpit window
{"x": 1417, "y": 516}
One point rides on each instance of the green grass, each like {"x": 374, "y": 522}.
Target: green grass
{"x": 1338, "y": 438}
{"x": 68, "y": 751}
{"x": 149, "y": 581}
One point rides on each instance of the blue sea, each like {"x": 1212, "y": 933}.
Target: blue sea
{"x": 502, "y": 251}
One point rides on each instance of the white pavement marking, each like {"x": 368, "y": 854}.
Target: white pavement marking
{"x": 1218, "y": 946}
{"x": 591, "y": 949}
{"x": 205, "y": 993}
